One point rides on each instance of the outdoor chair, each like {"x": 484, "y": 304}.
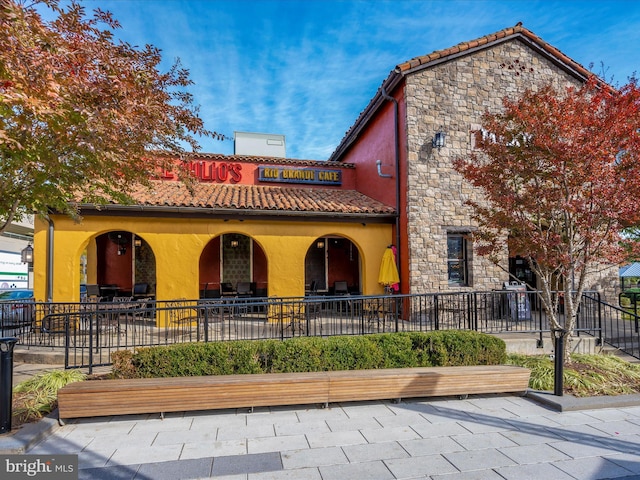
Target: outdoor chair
{"x": 375, "y": 313}
{"x": 341, "y": 288}
{"x": 93, "y": 291}
{"x": 313, "y": 288}
{"x": 182, "y": 318}
{"x": 244, "y": 289}
{"x": 140, "y": 290}
{"x": 226, "y": 289}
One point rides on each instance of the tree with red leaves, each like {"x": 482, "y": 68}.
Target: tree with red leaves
{"x": 560, "y": 178}
{"x": 79, "y": 111}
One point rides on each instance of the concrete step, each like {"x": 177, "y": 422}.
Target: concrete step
{"x": 38, "y": 356}
{"x": 528, "y": 344}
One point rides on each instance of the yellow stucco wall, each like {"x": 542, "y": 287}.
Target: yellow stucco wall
{"x": 177, "y": 244}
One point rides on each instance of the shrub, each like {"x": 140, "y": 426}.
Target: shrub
{"x": 312, "y": 354}
{"x": 587, "y": 375}
{"x": 37, "y": 396}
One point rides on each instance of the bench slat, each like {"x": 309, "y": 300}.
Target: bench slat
{"x": 153, "y": 395}
{"x": 426, "y": 382}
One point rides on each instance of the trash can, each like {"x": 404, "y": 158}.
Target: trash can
{"x": 518, "y": 304}
{"x": 6, "y": 382}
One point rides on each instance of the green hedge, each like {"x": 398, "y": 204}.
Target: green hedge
{"x": 312, "y": 354}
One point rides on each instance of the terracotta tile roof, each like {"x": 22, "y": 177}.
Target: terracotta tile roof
{"x": 487, "y": 39}
{"x": 424, "y": 61}
{"x": 220, "y": 157}
{"x": 252, "y": 198}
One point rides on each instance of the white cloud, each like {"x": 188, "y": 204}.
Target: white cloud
{"x": 306, "y": 69}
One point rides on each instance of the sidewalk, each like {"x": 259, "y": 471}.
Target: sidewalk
{"x": 488, "y": 437}
{"x": 24, "y": 371}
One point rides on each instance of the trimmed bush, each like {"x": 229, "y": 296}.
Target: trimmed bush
{"x": 312, "y": 354}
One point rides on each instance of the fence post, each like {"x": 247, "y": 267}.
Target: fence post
{"x": 558, "y": 377}
{"x": 600, "y": 320}
{"x": 436, "y": 314}
{"x": 475, "y": 310}
{"x": 67, "y": 339}
{"x": 205, "y": 310}
{"x": 539, "y": 309}
{"x": 396, "y": 311}
{"x": 90, "y": 317}
{"x": 635, "y": 309}
{"x": 6, "y": 382}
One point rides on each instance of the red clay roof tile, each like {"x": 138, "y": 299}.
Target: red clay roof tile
{"x": 518, "y": 29}
{"x": 258, "y": 197}
{"x": 221, "y": 157}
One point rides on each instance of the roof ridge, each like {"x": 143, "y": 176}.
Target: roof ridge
{"x": 518, "y": 28}
{"x": 195, "y": 156}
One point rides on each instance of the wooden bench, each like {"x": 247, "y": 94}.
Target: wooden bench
{"x": 96, "y": 398}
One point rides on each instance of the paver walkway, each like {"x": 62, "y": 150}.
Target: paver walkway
{"x": 493, "y": 437}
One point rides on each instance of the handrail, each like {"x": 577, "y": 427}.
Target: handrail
{"x": 109, "y": 326}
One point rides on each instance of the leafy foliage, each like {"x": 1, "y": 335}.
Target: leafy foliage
{"x": 560, "y": 176}
{"x": 79, "y": 111}
{"x": 37, "y": 396}
{"x": 586, "y": 375}
{"x": 312, "y": 354}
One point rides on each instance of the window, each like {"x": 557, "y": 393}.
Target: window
{"x": 457, "y": 259}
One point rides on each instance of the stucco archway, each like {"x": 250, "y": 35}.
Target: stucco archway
{"x": 230, "y": 259}
{"x": 121, "y": 263}
{"x": 332, "y": 259}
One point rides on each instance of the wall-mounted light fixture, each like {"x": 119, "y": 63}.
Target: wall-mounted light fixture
{"x": 438, "y": 139}
{"x": 320, "y": 244}
{"x": 234, "y": 243}
{"x": 137, "y": 242}
{"x": 27, "y": 254}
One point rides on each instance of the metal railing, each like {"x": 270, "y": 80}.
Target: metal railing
{"x": 90, "y": 332}
{"x": 619, "y": 324}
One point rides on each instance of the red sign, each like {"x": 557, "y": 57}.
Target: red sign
{"x": 219, "y": 172}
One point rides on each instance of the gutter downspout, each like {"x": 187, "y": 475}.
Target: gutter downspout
{"x": 50, "y": 260}
{"x": 380, "y": 174}
{"x": 386, "y": 96}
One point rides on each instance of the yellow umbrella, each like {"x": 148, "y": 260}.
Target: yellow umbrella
{"x": 388, "y": 271}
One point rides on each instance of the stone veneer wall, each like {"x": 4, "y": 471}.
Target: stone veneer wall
{"x": 455, "y": 95}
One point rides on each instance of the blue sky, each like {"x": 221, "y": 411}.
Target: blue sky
{"x": 306, "y": 69}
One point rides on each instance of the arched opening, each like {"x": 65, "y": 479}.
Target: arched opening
{"x": 233, "y": 264}
{"x": 331, "y": 263}
{"x": 121, "y": 264}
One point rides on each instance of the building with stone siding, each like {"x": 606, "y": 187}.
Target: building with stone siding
{"x": 394, "y": 142}
{"x": 290, "y": 227}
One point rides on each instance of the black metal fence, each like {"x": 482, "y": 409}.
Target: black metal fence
{"x": 89, "y": 332}
{"x": 619, "y": 324}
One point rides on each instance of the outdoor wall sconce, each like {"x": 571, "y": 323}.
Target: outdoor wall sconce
{"x": 320, "y": 244}
{"x": 137, "y": 242}
{"x": 234, "y": 243}
{"x": 27, "y": 254}
{"x": 438, "y": 139}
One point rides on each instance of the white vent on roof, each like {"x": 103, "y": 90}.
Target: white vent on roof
{"x": 259, "y": 144}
